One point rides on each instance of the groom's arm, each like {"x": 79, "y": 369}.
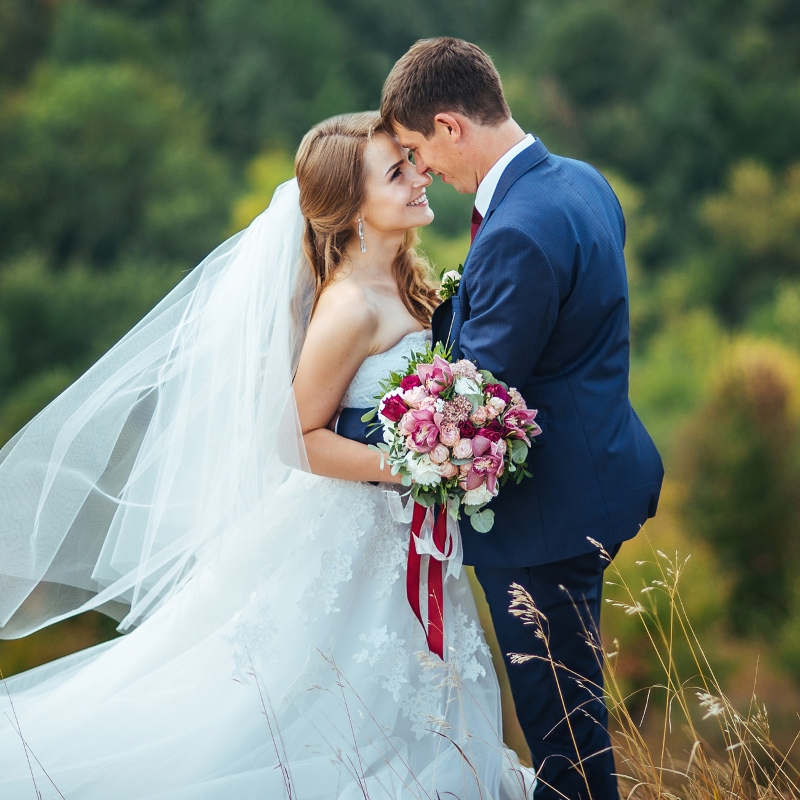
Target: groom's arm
{"x": 350, "y": 426}
{"x": 513, "y": 304}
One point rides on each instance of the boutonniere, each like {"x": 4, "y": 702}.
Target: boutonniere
{"x": 449, "y": 283}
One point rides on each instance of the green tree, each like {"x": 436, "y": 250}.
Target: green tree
{"x": 742, "y": 477}
{"x": 56, "y": 323}
{"x": 755, "y": 226}
{"x": 101, "y": 161}
{"x": 24, "y": 28}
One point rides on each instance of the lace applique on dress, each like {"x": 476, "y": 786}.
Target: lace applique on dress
{"x": 313, "y": 674}
{"x": 386, "y": 553}
{"x": 420, "y": 701}
{"x": 322, "y": 591}
{"x": 388, "y": 658}
{"x": 465, "y": 642}
{"x": 253, "y": 637}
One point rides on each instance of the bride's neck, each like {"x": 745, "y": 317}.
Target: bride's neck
{"x": 376, "y": 262}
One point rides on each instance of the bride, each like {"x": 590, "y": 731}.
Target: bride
{"x": 190, "y": 486}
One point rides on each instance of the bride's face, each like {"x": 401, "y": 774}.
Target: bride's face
{"x": 395, "y": 192}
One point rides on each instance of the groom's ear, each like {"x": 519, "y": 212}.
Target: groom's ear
{"x": 452, "y": 124}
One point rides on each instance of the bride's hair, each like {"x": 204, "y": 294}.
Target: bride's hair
{"x": 331, "y": 174}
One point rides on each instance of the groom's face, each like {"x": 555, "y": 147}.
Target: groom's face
{"x": 440, "y": 155}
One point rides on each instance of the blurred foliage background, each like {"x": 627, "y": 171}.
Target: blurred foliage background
{"x": 136, "y": 134}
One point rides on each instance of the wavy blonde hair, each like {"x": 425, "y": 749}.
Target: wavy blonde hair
{"x": 331, "y": 174}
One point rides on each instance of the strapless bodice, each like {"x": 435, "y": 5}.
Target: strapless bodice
{"x": 364, "y": 386}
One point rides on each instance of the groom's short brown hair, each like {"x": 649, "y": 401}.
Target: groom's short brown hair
{"x": 438, "y": 75}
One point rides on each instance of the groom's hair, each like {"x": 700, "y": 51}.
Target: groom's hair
{"x": 438, "y": 75}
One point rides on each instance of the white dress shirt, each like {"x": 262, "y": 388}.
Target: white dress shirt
{"x": 483, "y": 197}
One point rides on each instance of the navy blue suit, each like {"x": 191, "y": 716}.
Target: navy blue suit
{"x": 543, "y": 305}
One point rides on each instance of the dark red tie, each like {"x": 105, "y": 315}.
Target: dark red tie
{"x": 476, "y": 223}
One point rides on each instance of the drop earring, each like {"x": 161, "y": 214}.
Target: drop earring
{"x": 361, "y": 236}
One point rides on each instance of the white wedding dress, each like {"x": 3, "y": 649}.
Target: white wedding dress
{"x": 289, "y": 665}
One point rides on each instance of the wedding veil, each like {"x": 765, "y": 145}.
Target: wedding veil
{"x": 109, "y": 496}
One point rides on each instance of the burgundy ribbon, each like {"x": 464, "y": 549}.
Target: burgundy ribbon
{"x": 425, "y": 578}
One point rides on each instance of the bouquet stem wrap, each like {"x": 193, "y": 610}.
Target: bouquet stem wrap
{"x": 435, "y": 541}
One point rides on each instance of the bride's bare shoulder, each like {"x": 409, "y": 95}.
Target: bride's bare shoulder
{"x": 344, "y": 316}
{"x": 349, "y": 302}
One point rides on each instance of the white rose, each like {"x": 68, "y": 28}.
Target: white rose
{"x": 453, "y": 275}
{"x": 466, "y": 386}
{"x": 477, "y": 497}
{"x": 423, "y": 470}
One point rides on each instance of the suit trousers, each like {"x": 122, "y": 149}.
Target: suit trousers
{"x": 558, "y": 694}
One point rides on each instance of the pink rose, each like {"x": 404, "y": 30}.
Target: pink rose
{"x": 410, "y": 382}
{"x": 448, "y": 434}
{"x": 439, "y": 454}
{"x": 492, "y": 412}
{"x": 393, "y": 408}
{"x": 415, "y": 396}
{"x": 479, "y": 416}
{"x": 428, "y": 404}
{"x": 463, "y": 449}
{"x": 502, "y": 447}
{"x": 448, "y": 470}
{"x": 497, "y": 403}
{"x": 516, "y": 399}
{"x": 436, "y": 376}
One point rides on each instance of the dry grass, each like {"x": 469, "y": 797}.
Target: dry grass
{"x": 749, "y": 765}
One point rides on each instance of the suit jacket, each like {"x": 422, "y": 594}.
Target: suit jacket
{"x": 543, "y": 305}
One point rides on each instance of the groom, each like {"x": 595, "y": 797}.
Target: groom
{"x": 543, "y": 305}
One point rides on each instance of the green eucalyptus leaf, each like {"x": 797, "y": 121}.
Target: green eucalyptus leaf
{"x": 482, "y": 521}
{"x": 519, "y": 451}
{"x": 370, "y": 414}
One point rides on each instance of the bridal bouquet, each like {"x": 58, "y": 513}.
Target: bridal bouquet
{"x": 454, "y": 432}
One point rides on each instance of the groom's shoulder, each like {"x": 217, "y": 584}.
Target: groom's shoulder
{"x": 558, "y": 187}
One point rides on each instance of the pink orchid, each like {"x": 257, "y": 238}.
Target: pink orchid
{"x": 436, "y": 376}
{"x": 487, "y": 464}
{"x": 424, "y": 435}
{"x": 519, "y": 422}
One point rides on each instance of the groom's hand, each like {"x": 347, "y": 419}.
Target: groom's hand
{"x": 351, "y": 427}
{"x": 331, "y": 426}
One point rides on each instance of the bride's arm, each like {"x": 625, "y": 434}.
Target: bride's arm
{"x": 339, "y": 338}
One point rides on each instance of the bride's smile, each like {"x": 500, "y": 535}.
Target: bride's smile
{"x": 395, "y": 191}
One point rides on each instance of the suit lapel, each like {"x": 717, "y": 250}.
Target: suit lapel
{"x": 449, "y": 316}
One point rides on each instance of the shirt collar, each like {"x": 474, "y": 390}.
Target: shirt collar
{"x": 483, "y": 197}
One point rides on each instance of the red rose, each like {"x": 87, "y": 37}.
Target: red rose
{"x": 498, "y": 427}
{"x": 410, "y": 382}
{"x": 467, "y": 430}
{"x": 490, "y": 434}
{"x": 393, "y": 408}
{"x": 496, "y": 390}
